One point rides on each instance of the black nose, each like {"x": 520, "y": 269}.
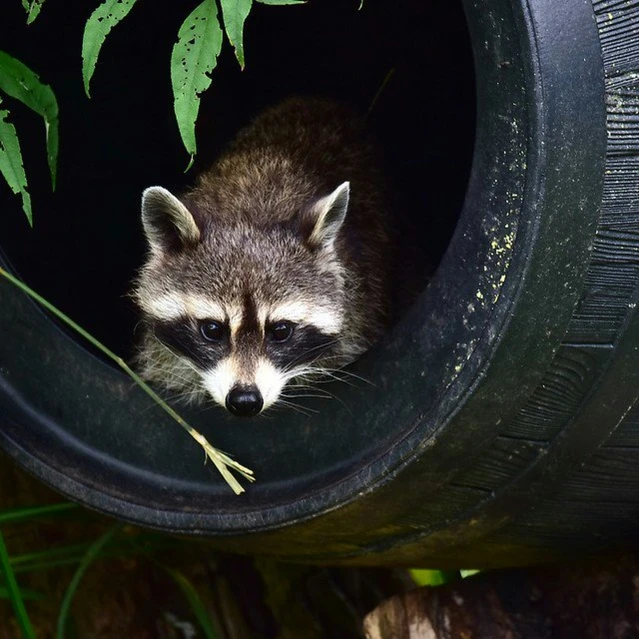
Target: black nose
{"x": 244, "y": 401}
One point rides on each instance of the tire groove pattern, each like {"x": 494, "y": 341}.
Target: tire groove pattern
{"x": 607, "y": 301}
{"x": 587, "y": 505}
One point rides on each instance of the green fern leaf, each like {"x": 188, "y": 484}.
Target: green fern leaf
{"x": 275, "y": 2}
{"x": 11, "y": 163}
{"x": 194, "y": 57}
{"x": 235, "y": 13}
{"x": 19, "y": 82}
{"x": 33, "y": 10}
{"x": 97, "y": 28}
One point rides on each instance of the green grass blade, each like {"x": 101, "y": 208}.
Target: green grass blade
{"x": 97, "y": 28}
{"x": 34, "y": 10}
{"x": 11, "y": 166}
{"x": 23, "y": 514}
{"x": 235, "y": 13}
{"x": 222, "y": 461}
{"x": 19, "y": 82}
{"x": 91, "y": 554}
{"x": 25, "y": 593}
{"x": 193, "y": 58}
{"x": 73, "y": 553}
{"x": 14, "y": 592}
{"x": 195, "y": 602}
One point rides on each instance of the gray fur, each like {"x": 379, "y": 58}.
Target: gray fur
{"x": 293, "y": 212}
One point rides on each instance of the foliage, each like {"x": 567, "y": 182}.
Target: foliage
{"x": 19, "y": 82}
{"x": 193, "y": 59}
{"x": 115, "y": 542}
{"x": 194, "y": 54}
{"x": 14, "y": 593}
{"x": 93, "y": 551}
{"x": 97, "y": 27}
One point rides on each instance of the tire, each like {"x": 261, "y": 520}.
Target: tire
{"x": 499, "y": 426}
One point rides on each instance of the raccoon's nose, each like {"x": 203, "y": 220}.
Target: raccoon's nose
{"x": 243, "y": 401}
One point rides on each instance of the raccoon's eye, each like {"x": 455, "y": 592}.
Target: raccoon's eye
{"x": 212, "y": 331}
{"x": 281, "y": 331}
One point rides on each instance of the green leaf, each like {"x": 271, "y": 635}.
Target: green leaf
{"x": 194, "y": 57}
{"x": 468, "y": 573}
{"x": 192, "y": 596}
{"x": 14, "y": 592}
{"x": 33, "y": 10}
{"x": 235, "y": 13}
{"x": 97, "y": 28}
{"x": 91, "y": 554}
{"x": 25, "y": 5}
{"x": 424, "y": 577}
{"x": 11, "y": 163}
{"x": 274, "y": 2}
{"x": 19, "y": 82}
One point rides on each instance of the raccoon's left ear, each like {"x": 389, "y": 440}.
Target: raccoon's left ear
{"x": 326, "y": 216}
{"x": 168, "y": 224}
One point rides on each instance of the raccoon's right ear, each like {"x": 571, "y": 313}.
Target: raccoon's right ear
{"x": 322, "y": 221}
{"x": 168, "y": 224}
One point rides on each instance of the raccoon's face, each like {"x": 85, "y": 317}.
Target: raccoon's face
{"x": 245, "y": 307}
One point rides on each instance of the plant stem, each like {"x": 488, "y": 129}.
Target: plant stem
{"x": 221, "y": 460}
{"x": 14, "y": 592}
{"x": 91, "y": 554}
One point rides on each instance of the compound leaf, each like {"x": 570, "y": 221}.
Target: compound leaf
{"x": 235, "y": 13}
{"x": 193, "y": 58}
{"x": 19, "y": 82}
{"x": 11, "y": 163}
{"x": 97, "y": 28}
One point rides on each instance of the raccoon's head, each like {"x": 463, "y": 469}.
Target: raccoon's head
{"x": 237, "y": 306}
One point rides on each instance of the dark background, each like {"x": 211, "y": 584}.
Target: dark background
{"x": 87, "y": 243}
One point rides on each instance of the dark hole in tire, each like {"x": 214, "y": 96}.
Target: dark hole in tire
{"x": 87, "y": 242}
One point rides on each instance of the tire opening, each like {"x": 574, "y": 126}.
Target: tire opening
{"x": 87, "y": 242}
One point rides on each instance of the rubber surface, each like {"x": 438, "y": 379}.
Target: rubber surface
{"x": 499, "y": 425}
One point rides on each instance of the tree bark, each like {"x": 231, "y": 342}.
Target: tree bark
{"x": 591, "y": 599}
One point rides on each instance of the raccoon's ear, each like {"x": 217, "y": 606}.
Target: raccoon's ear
{"x": 325, "y": 217}
{"x": 168, "y": 224}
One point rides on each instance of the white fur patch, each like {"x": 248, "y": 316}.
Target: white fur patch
{"x": 269, "y": 382}
{"x": 219, "y": 381}
{"x": 174, "y": 305}
{"x": 325, "y": 319}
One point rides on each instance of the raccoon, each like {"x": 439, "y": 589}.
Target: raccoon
{"x": 274, "y": 266}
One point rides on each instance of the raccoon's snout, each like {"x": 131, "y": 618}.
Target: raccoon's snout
{"x": 243, "y": 401}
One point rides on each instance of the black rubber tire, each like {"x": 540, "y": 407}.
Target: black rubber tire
{"x": 499, "y": 427}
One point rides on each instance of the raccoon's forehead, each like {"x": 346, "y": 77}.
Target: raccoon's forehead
{"x": 232, "y": 260}
{"x": 245, "y": 269}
